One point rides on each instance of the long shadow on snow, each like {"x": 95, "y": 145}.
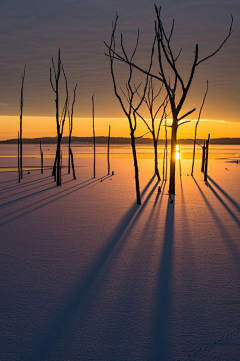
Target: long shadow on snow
{"x": 60, "y": 322}
{"x": 234, "y": 203}
{"x": 225, "y": 234}
{"x": 53, "y": 197}
{"x": 234, "y": 217}
{"x": 16, "y": 178}
{"x": 162, "y": 346}
{"x": 30, "y": 188}
{"x": 25, "y": 184}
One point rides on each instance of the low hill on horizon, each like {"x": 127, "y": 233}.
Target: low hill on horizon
{"x": 117, "y": 140}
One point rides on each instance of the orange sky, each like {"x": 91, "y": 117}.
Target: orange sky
{"x": 34, "y": 127}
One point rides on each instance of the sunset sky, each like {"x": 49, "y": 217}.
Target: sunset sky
{"x": 32, "y": 31}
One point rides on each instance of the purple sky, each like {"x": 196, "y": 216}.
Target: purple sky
{"x": 32, "y": 31}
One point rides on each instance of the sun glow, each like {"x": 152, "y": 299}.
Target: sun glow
{"x": 177, "y": 152}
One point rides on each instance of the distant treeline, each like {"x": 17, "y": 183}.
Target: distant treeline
{"x": 117, "y": 140}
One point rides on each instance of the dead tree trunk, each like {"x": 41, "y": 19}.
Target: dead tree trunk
{"x": 166, "y": 153}
{"x": 206, "y": 161}
{"x": 156, "y": 159}
{"x": 163, "y": 171}
{"x": 72, "y": 163}
{"x": 108, "y": 155}
{"x": 203, "y": 157}
{"x": 195, "y": 135}
{"x": 21, "y": 114}
{"x": 41, "y": 157}
{"x": 133, "y": 144}
{"x": 60, "y": 120}
{"x": 94, "y": 140}
{"x": 19, "y": 173}
{"x": 70, "y": 117}
{"x": 70, "y": 153}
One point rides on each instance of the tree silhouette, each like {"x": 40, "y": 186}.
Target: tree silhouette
{"x": 108, "y": 156}
{"x": 167, "y": 60}
{"x": 195, "y": 135}
{"x": 131, "y": 108}
{"x": 94, "y": 140}
{"x": 20, "y": 132}
{"x": 41, "y": 157}
{"x": 60, "y": 120}
{"x": 70, "y": 118}
{"x": 149, "y": 99}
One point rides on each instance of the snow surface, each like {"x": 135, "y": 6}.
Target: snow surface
{"x": 86, "y": 274}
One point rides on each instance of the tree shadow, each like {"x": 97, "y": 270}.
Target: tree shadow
{"x": 233, "y": 202}
{"x": 79, "y": 299}
{"x": 163, "y": 185}
{"x": 162, "y": 346}
{"x": 43, "y": 183}
{"x": 234, "y": 217}
{"x": 234, "y": 252}
{"x": 16, "y": 179}
{"x": 25, "y": 184}
{"x": 52, "y": 197}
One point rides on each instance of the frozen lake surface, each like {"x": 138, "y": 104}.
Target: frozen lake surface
{"x": 88, "y": 275}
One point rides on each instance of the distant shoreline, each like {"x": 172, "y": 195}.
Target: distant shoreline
{"x": 117, "y": 140}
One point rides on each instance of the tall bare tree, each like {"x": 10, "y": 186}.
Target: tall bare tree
{"x": 167, "y": 60}
{"x": 165, "y": 153}
{"x": 70, "y": 118}
{"x": 19, "y": 173}
{"x": 94, "y": 140}
{"x": 108, "y": 155}
{"x": 195, "y": 134}
{"x": 60, "y": 119}
{"x": 149, "y": 99}
{"x": 41, "y": 153}
{"x": 131, "y": 108}
{"x": 20, "y": 132}
{"x": 206, "y": 159}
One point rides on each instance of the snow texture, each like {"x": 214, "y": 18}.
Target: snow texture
{"x": 86, "y": 274}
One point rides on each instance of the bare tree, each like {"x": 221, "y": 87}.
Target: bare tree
{"x": 195, "y": 135}
{"x": 60, "y": 120}
{"x": 131, "y": 109}
{"x": 20, "y": 132}
{"x": 108, "y": 157}
{"x": 165, "y": 152}
{"x": 19, "y": 173}
{"x": 203, "y": 156}
{"x": 41, "y": 157}
{"x": 167, "y": 60}
{"x": 206, "y": 159}
{"x": 94, "y": 140}
{"x": 149, "y": 100}
{"x": 70, "y": 117}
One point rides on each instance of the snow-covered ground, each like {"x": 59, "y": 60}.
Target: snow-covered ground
{"x": 86, "y": 274}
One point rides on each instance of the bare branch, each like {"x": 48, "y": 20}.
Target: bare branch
{"x": 188, "y": 113}
{"x": 224, "y": 41}
{"x": 66, "y": 101}
{"x": 186, "y": 121}
{"x": 178, "y": 55}
{"x": 194, "y": 141}
{"x": 142, "y": 135}
{"x": 51, "y": 81}
{"x": 150, "y": 130}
